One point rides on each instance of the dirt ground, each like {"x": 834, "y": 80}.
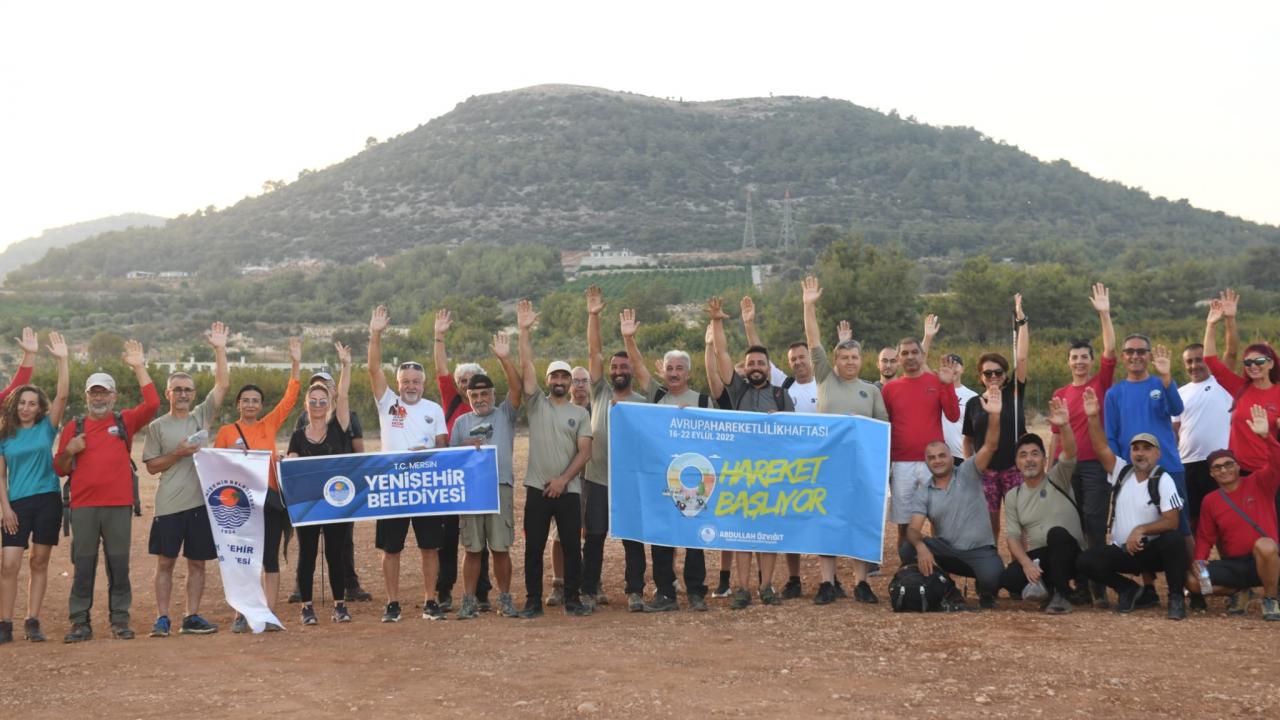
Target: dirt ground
{"x": 798, "y": 660}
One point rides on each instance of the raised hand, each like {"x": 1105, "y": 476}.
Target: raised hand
{"x": 1258, "y": 421}
{"x": 748, "y": 308}
{"x": 1091, "y": 405}
{"x": 931, "y": 325}
{"x": 501, "y": 345}
{"x": 1230, "y": 301}
{"x": 1059, "y": 416}
{"x": 1101, "y": 298}
{"x": 216, "y": 335}
{"x": 344, "y": 353}
{"x": 133, "y": 356}
{"x": 444, "y": 320}
{"x": 57, "y": 346}
{"x": 1017, "y": 307}
{"x": 28, "y": 342}
{"x": 525, "y": 316}
{"x": 627, "y": 323}
{"x": 993, "y": 401}
{"x": 947, "y": 370}
{"x": 709, "y": 338}
{"x": 844, "y": 331}
{"x": 295, "y": 349}
{"x": 715, "y": 309}
{"x": 1215, "y": 312}
{"x": 1160, "y": 359}
{"x": 810, "y": 290}
{"x": 595, "y": 299}
{"x": 380, "y": 319}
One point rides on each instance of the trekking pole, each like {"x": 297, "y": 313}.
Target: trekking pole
{"x": 321, "y": 563}
{"x": 1014, "y": 322}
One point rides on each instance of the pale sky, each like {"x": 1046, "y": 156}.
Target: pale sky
{"x": 165, "y": 107}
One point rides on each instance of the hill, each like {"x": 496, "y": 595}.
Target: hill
{"x": 33, "y": 248}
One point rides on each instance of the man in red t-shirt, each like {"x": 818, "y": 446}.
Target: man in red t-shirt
{"x": 98, "y": 462}
{"x": 1240, "y": 520}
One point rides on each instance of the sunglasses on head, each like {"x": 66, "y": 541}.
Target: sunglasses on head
{"x": 1256, "y": 362}
{"x": 410, "y": 366}
{"x": 1136, "y": 351}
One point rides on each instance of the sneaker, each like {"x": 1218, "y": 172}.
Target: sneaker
{"x": 557, "y": 593}
{"x": 506, "y": 608}
{"x": 295, "y": 597}
{"x": 6, "y": 631}
{"x": 576, "y": 608}
{"x": 358, "y": 594}
{"x": 121, "y": 631}
{"x": 273, "y": 627}
{"x": 340, "y": 614}
{"x": 80, "y": 632}
{"x": 661, "y": 603}
{"x": 1177, "y": 607}
{"x": 483, "y": 604}
{"x": 769, "y": 597}
{"x": 392, "y": 613}
{"x": 862, "y": 593}
{"x": 1099, "y": 593}
{"x": 532, "y": 609}
{"x": 792, "y": 589}
{"x": 31, "y": 628}
{"x": 741, "y": 599}
{"x": 445, "y": 601}
{"x": 697, "y": 603}
{"x": 1079, "y": 596}
{"x": 431, "y": 610}
{"x": 1239, "y": 602}
{"x": 839, "y": 590}
{"x": 239, "y": 625}
{"x": 602, "y": 598}
{"x": 1058, "y": 605}
{"x": 196, "y": 625}
{"x": 1127, "y": 600}
{"x": 1270, "y": 609}
{"x": 826, "y": 594}
{"x": 722, "y": 590}
{"x": 1148, "y": 598}
{"x": 635, "y": 602}
{"x": 987, "y": 601}
{"x": 588, "y": 601}
{"x": 873, "y": 570}
{"x": 309, "y": 615}
{"x": 161, "y": 627}
{"x": 1198, "y": 604}
{"x": 470, "y": 609}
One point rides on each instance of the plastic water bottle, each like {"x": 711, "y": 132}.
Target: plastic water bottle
{"x": 1202, "y": 572}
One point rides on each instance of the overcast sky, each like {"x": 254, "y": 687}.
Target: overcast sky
{"x": 165, "y": 107}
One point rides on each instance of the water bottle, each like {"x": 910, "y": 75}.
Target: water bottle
{"x": 1202, "y": 572}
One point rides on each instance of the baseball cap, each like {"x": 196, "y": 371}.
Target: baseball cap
{"x": 100, "y": 379}
{"x": 480, "y": 381}
{"x": 320, "y": 375}
{"x": 1147, "y": 438}
{"x": 554, "y": 367}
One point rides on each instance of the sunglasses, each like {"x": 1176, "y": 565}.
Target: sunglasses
{"x": 1136, "y": 351}
{"x": 317, "y": 402}
{"x": 182, "y": 389}
{"x": 992, "y": 373}
{"x": 1223, "y": 466}
{"x": 1256, "y": 362}
{"x": 411, "y": 366}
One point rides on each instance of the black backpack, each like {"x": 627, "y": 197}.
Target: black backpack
{"x": 1153, "y": 490}
{"x": 123, "y": 433}
{"x": 911, "y": 591}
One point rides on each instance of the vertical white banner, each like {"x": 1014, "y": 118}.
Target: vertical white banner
{"x": 234, "y": 484}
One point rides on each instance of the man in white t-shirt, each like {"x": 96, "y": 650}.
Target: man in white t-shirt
{"x": 1144, "y": 527}
{"x": 953, "y": 432}
{"x": 408, "y": 421}
{"x": 1203, "y": 426}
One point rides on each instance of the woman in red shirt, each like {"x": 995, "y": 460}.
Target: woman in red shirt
{"x": 1260, "y": 385}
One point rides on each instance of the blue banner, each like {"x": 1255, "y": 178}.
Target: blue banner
{"x": 724, "y": 480}
{"x": 373, "y": 486}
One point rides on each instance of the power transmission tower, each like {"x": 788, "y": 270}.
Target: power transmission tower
{"x": 749, "y": 231}
{"x": 787, "y": 239}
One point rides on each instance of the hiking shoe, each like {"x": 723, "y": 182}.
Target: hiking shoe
{"x": 1270, "y": 609}
{"x": 121, "y": 631}
{"x": 722, "y": 590}
{"x": 506, "y": 608}
{"x": 431, "y": 610}
{"x": 1147, "y": 598}
{"x": 1099, "y": 593}
{"x": 445, "y": 601}
{"x": 873, "y": 569}
{"x": 741, "y": 599}
{"x": 1177, "y": 607}
{"x": 602, "y": 598}
{"x": 6, "y": 631}
{"x": 161, "y": 627}
{"x": 295, "y": 597}
{"x": 839, "y": 590}
{"x": 635, "y": 602}
{"x": 1239, "y": 602}
{"x": 557, "y": 593}
{"x": 240, "y": 624}
{"x": 392, "y": 613}
{"x": 1198, "y": 604}
{"x": 1079, "y": 596}
{"x": 792, "y": 589}
{"x": 697, "y": 603}
{"x": 340, "y": 614}
{"x": 588, "y": 601}
{"x": 862, "y": 593}
{"x": 1058, "y": 605}
{"x": 661, "y": 603}
{"x": 470, "y": 609}
{"x": 31, "y": 628}
{"x": 769, "y": 597}
{"x": 273, "y": 627}
{"x": 483, "y": 604}
{"x": 576, "y": 608}
{"x": 826, "y": 594}
{"x": 196, "y": 625}
{"x": 987, "y": 601}
{"x": 532, "y": 609}
{"x": 954, "y": 602}
{"x": 1127, "y": 600}
{"x": 358, "y": 594}
{"x": 80, "y": 632}
{"x": 309, "y": 615}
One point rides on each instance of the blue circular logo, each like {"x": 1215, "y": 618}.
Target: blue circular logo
{"x": 230, "y": 506}
{"x": 707, "y": 533}
{"x": 339, "y": 491}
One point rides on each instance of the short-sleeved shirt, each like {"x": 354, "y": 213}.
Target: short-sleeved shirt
{"x": 1033, "y": 512}
{"x": 953, "y": 431}
{"x": 958, "y": 513}
{"x": 975, "y": 425}
{"x": 1205, "y": 422}
{"x": 453, "y": 402}
{"x": 179, "y": 486}
{"x": 844, "y": 397}
{"x": 554, "y": 431}
{"x": 103, "y": 476}
{"x": 354, "y": 428}
{"x": 1133, "y": 504}
{"x": 659, "y": 395}
{"x": 409, "y": 427}
{"x": 1074, "y": 397}
{"x": 748, "y": 398}
{"x": 28, "y": 460}
{"x": 597, "y": 470}
{"x": 916, "y": 406}
{"x": 804, "y": 396}
{"x": 498, "y": 428}
{"x": 336, "y": 441}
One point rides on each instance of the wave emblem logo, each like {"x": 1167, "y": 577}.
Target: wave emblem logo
{"x": 339, "y": 491}
{"x": 707, "y": 534}
{"x": 690, "y": 499}
{"x": 230, "y": 506}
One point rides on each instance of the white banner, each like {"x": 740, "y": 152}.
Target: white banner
{"x": 234, "y": 484}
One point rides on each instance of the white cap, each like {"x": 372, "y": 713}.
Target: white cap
{"x": 559, "y": 366}
{"x": 100, "y": 379}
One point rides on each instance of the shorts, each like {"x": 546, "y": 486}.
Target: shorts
{"x": 1236, "y": 572}
{"x": 390, "y": 533}
{"x": 996, "y": 483}
{"x": 582, "y": 512}
{"x": 497, "y": 530}
{"x": 904, "y": 478}
{"x": 39, "y": 520}
{"x": 186, "y": 530}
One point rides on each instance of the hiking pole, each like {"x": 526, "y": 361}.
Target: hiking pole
{"x": 1014, "y": 321}
{"x": 319, "y": 559}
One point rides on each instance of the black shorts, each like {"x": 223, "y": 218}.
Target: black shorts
{"x": 1236, "y": 572}
{"x": 187, "y": 531}
{"x": 39, "y": 520}
{"x": 390, "y": 534}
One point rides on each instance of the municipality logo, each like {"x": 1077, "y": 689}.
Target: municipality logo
{"x": 690, "y": 499}
{"x": 230, "y": 505}
{"x": 339, "y": 491}
{"x": 707, "y": 534}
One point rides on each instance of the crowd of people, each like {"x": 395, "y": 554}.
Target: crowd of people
{"x": 1140, "y": 476}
